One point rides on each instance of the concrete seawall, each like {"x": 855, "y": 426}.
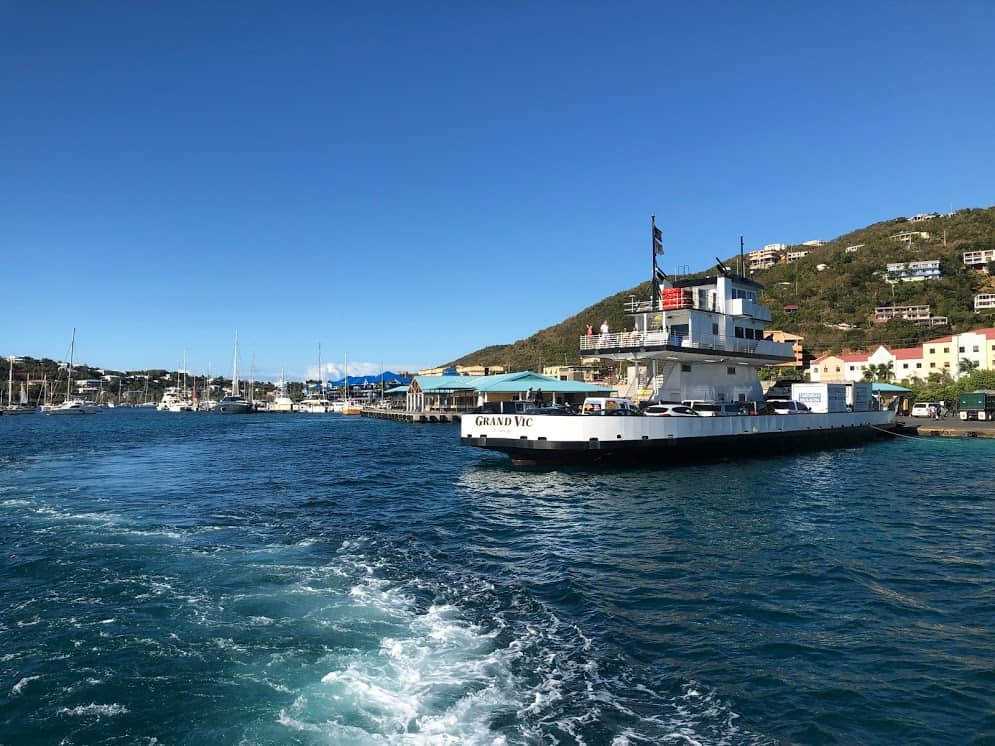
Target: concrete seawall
{"x": 951, "y": 427}
{"x": 400, "y": 415}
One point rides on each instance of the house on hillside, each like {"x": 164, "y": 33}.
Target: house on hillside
{"x": 766, "y": 257}
{"x": 909, "y": 236}
{"x": 979, "y": 260}
{"x": 913, "y": 271}
{"x": 984, "y": 302}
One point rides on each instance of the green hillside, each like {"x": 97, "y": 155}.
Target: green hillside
{"x": 835, "y": 305}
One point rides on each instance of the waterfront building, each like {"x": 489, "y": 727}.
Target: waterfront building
{"x": 944, "y": 354}
{"x": 456, "y": 394}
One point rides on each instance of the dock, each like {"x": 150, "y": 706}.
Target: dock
{"x": 952, "y": 428}
{"x": 403, "y": 415}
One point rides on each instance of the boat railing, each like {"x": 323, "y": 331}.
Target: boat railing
{"x": 634, "y": 340}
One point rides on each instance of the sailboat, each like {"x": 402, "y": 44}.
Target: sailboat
{"x": 73, "y": 405}
{"x": 234, "y": 403}
{"x": 22, "y": 407}
{"x": 349, "y": 406}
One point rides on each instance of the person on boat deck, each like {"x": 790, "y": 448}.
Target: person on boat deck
{"x": 538, "y": 398}
{"x": 590, "y": 331}
{"x": 604, "y": 331}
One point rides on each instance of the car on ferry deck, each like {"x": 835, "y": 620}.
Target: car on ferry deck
{"x": 778, "y": 406}
{"x": 669, "y": 410}
{"x": 713, "y": 408}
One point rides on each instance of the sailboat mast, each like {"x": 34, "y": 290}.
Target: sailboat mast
{"x": 10, "y": 382}
{"x": 72, "y": 351}
{"x": 234, "y": 369}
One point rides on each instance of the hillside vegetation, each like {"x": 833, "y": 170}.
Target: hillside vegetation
{"x": 835, "y": 305}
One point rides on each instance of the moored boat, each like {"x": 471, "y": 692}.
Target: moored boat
{"x": 234, "y": 403}
{"x": 696, "y": 339}
{"x": 22, "y": 407}
{"x": 72, "y": 405}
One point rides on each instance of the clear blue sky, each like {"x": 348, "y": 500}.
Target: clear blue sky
{"x": 406, "y": 182}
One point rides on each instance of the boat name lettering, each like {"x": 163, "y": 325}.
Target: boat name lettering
{"x": 507, "y": 421}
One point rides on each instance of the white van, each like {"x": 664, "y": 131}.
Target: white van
{"x": 609, "y": 405}
{"x": 921, "y": 408}
{"x": 713, "y": 408}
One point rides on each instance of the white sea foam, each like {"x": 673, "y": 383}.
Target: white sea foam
{"x": 94, "y": 709}
{"x": 19, "y": 686}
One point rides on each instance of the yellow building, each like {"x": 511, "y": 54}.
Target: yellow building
{"x": 465, "y": 370}
{"x": 586, "y": 373}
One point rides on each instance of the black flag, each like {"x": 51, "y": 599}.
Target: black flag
{"x": 657, "y": 241}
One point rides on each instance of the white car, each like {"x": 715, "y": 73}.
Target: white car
{"x": 669, "y": 410}
{"x": 787, "y": 407}
{"x": 921, "y": 408}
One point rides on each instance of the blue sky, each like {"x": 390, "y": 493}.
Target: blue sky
{"x": 404, "y": 183}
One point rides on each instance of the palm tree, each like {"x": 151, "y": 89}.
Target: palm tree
{"x": 967, "y": 366}
{"x": 880, "y": 372}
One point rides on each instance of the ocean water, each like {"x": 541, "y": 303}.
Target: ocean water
{"x": 268, "y": 579}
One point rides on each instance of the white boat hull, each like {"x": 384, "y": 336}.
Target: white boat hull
{"x": 73, "y": 408}
{"x": 551, "y": 440}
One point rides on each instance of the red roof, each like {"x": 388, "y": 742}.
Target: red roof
{"x": 907, "y": 353}
{"x": 989, "y": 332}
{"x": 854, "y": 358}
{"x": 937, "y": 341}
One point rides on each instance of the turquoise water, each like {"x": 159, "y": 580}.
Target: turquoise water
{"x": 184, "y": 578}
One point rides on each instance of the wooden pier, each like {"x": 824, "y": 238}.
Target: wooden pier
{"x": 402, "y": 415}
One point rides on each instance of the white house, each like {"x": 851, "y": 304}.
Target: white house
{"x": 984, "y": 301}
{"x": 979, "y": 259}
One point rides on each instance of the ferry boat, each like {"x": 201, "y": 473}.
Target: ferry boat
{"x": 696, "y": 339}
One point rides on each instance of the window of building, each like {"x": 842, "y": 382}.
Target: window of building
{"x": 685, "y": 368}
{"x": 837, "y": 369}
{"x": 946, "y": 349}
{"x": 739, "y": 332}
{"x": 715, "y": 329}
{"x": 918, "y": 365}
{"x": 974, "y": 349}
{"x": 960, "y": 349}
{"x": 932, "y": 365}
{"x": 946, "y": 365}
{"x": 905, "y": 366}
{"x": 731, "y": 371}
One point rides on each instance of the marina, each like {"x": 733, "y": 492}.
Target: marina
{"x": 257, "y": 579}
